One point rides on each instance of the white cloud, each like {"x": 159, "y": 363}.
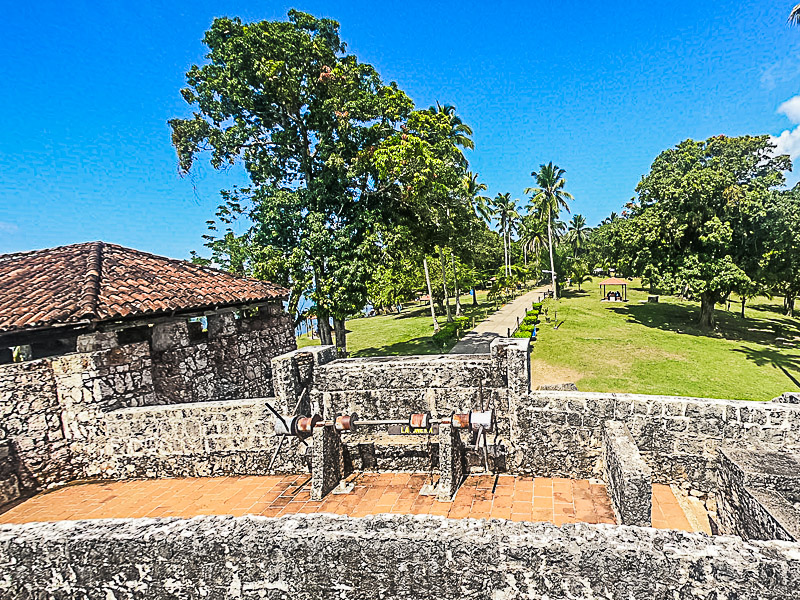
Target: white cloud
{"x": 788, "y": 142}
{"x": 8, "y": 228}
{"x": 791, "y": 108}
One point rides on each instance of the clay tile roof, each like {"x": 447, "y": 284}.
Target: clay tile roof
{"x": 614, "y": 281}
{"x": 97, "y": 281}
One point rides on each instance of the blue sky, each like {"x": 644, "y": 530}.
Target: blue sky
{"x": 598, "y": 87}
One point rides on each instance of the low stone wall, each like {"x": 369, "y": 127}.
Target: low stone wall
{"x": 394, "y": 387}
{"x": 628, "y": 476}
{"x": 560, "y": 433}
{"x": 233, "y": 437}
{"x": 9, "y": 477}
{"x": 754, "y": 487}
{"x": 323, "y": 556}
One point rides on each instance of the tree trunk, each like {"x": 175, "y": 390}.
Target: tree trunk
{"x": 743, "y": 300}
{"x": 430, "y": 294}
{"x": 324, "y": 326}
{"x": 341, "y": 337}
{"x": 455, "y": 285}
{"x": 525, "y": 256}
{"x": 474, "y": 296}
{"x": 788, "y": 301}
{"x": 444, "y": 286}
{"x": 552, "y": 263}
{"x": 505, "y": 252}
{"x": 706, "y": 310}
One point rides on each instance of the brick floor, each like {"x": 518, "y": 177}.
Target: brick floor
{"x": 483, "y": 496}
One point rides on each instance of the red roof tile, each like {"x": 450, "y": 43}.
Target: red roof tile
{"x": 98, "y": 281}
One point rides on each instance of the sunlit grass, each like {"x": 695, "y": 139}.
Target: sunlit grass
{"x": 407, "y": 333}
{"x": 649, "y": 348}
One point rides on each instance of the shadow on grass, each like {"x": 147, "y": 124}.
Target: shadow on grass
{"x": 683, "y": 319}
{"x": 420, "y": 345}
{"x": 776, "y": 359}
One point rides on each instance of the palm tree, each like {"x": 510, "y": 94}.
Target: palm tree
{"x": 577, "y": 232}
{"x": 532, "y": 236}
{"x": 482, "y": 204}
{"x": 506, "y": 210}
{"x": 459, "y": 131}
{"x": 794, "y": 16}
{"x": 548, "y": 200}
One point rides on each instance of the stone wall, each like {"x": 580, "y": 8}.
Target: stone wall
{"x": 560, "y": 433}
{"x": 755, "y": 488}
{"x": 30, "y": 419}
{"x": 9, "y": 475}
{"x": 190, "y": 440}
{"x": 387, "y": 556}
{"x": 231, "y": 360}
{"x": 52, "y": 410}
{"x": 629, "y": 478}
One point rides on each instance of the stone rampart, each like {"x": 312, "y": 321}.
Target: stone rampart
{"x": 198, "y": 439}
{"x": 560, "y": 433}
{"x": 324, "y": 556}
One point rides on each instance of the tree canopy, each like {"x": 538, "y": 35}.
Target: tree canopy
{"x": 335, "y": 157}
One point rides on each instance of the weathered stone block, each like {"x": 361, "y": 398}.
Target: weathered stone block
{"x": 327, "y": 467}
{"x": 451, "y": 462}
{"x": 628, "y": 476}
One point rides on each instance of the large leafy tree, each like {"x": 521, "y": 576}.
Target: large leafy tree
{"x": 697, "y": 212}
{"x": 780, "y": 263}
{"x": 548, "y": 199}
{"x": 334, "y": 157}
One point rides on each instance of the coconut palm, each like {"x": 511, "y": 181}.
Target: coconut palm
{"x": 548, "y": 200}
{"x": 794, "y": 16}
{"x": 532, "y": 236}
{"x": 506, "y": 211}
{"x": 577, "y": 232}
{"x": 482, "y": 204}
{"x": 460, "y": 132}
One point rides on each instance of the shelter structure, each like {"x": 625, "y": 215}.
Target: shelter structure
{"x": 612, "y": 282}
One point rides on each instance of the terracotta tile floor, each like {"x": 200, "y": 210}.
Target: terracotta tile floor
{"x": 507, "y": 497}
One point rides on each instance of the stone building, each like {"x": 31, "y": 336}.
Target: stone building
{"x": 89, "y": 328}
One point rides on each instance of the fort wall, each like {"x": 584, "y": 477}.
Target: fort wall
{"x": 325, "y": 556}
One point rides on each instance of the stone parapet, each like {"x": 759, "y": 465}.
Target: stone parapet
{"x": 234, "y": 437}
{"x": 628, "y": 476}
{"x": 328, "y": 557}
{"x": 757, "y": 493}
{"x": 559, "y": 434}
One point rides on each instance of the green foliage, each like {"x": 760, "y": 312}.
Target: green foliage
{"x": 449, "y": 330}
{"x": 336, "y": 158}
{"x": 695, "y": 221}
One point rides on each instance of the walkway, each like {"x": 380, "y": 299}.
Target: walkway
{"x": 477, "y": 341}
{"x": 481, "y": 496}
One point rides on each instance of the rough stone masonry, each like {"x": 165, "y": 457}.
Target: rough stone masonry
{"x": 386, "y": 556}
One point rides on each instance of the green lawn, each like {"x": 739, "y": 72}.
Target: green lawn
{"x": 657, "y": 349}
{"x": 406, "y": 333}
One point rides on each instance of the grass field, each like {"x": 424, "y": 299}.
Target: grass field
{"x": 407, "y": 333}
{"x": 657, "y": 348}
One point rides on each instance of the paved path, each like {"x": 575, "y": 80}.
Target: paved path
{"x": 497, "y": 325}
